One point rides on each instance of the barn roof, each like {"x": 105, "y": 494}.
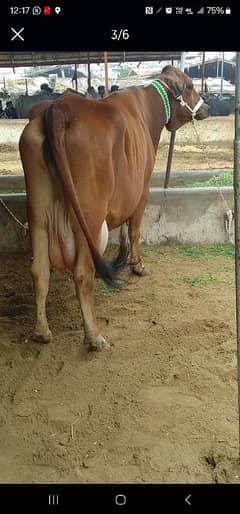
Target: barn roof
{"x": 214, "y": 61}
{"x": 15, "y": 59}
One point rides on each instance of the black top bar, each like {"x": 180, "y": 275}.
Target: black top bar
{"x": 119, "y": 26}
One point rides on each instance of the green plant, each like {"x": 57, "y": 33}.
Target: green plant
{"x": 203, "y": 280}
{"x": 203, "y": 252}
{"x": 224, "y": 179}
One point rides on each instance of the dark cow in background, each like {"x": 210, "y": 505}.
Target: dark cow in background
{"x": 87, "y": 167}
{"x": 24, "y": 104}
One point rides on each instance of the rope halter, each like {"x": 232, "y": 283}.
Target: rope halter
{"x": 195, "y": 109}
{"x": 158, "y": 84}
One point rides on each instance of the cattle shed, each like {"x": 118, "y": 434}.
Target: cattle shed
{"x": 212, "y": 69}
{"x": 161, "y": 406}
{"x": 14, "y": 59}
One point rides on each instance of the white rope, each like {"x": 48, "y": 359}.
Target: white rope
{"x": 24, "y": 226}
{"x": 195, "y": 109}
{"x": 228, "y": 220}
{"x": 229, "y": 213}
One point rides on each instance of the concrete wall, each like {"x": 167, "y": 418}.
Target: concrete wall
{"x": 16, "y": 184}
{"x": 12, "y": 238}
{"x": 182, "y": 216}
{"x": 11, "y": 131}
{"x": 187, "y": 216}
{"x": 211, "y": 130}
{"x": 214, "y": 129}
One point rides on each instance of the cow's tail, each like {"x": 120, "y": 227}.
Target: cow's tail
{"x": 57, "y": 118}
{"x": 119, "y": 262}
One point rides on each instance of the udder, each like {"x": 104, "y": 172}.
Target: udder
{"x": 62, "y": 247}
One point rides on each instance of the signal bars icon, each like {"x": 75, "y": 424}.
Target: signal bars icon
{"x": 201, "y": 11}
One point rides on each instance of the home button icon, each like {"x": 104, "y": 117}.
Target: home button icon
{"x": 120, "y": 499}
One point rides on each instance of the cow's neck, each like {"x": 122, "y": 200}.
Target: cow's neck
{"x": 157, "y": 116}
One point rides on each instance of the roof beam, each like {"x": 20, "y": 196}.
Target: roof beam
{"x": 15, "y": 59}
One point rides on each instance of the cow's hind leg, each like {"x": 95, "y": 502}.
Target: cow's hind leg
{"x": 121, "y": 259}
{"x": 84, "y": 276}
{"x": 41, "y": 274}
{"x": 136, "y": 264}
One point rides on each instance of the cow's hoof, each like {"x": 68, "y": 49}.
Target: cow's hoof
{"x": 98, "y": 344}
{"x": 140, "y": 270}
{"x": 42, "y": 338}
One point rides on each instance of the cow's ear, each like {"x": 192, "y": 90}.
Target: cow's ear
{"x": 174, "y": 82}
{"x": 179, "y": 88}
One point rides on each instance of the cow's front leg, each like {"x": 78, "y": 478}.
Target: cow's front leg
{"x": 41, "y": 272}
{"x": 136, "y": 264}
{"x": 84, "y": 276}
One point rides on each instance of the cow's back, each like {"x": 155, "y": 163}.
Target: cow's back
{"x": 109, "y": 151}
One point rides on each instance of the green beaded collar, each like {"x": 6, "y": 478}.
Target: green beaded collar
{"x": 164, "y": 98}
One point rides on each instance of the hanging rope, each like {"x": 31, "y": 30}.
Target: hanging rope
{"x": 24, "y": 226}
{"x": 229, "y": 213}
{"x": 228, "y": 221}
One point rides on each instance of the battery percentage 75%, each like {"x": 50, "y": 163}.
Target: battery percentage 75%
{"x": 215, "y": 10}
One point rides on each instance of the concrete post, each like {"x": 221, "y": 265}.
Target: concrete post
{"x": 182, "y": 62}
{"x": 222, "y": 75}
{"x": 237, "y": 218}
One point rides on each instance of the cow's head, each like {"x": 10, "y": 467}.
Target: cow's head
{"x": 185, "y": 102}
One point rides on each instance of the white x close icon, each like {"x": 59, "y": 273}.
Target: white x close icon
{"x": 17, "y": 34}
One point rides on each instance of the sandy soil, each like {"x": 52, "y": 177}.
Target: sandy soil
{"x": 159, "y": 406}
{"x": 208, "y": 146}
{"x": 10, "y": 160}
{"x": 185, "y": 157}
{"x": 196, "y": 157}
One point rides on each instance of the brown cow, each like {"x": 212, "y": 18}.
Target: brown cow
{"x": 38, "y": 108}
{"x": 87, "y": 166}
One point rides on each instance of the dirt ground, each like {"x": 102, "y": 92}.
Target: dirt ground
{"x": 10, "y": 159}
{"x": 185, "y": 157}
{"x": 159, "y": 406}
{"x": 208, "y": 146}
{"x": 196, "y": 157}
